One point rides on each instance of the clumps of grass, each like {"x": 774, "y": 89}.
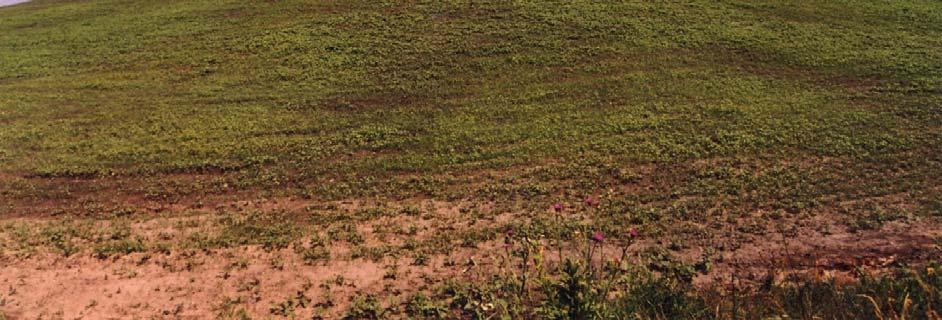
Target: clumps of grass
{"x": 411, "y": 211}
{"x": 62, "y": 237}
{"x": 69, "y": 237}
{"x": 422, "y": 306}
{"x": 120, "y": 246}
{"x": 346, "y": 232}
{"x": 376, "y": 253}
{"x": 316, "y": 251}
{"x": 366, "y": 307}
{"x": 664, "y": 263}
{"x": 286, "y": 308}
{"x": 874, "y": 218}
{"x": 932, "y": 208}
{"x": 591, "y": 283}
{"x": 595, "y": 281}
{"x": 904, "y": 294}
{"x": 512, "y": 189}
{"x": 270, "y": 230}
{"x": 420, "y": 259}
{"x": 585, "y": 287}
{"x": 229, "y": 309}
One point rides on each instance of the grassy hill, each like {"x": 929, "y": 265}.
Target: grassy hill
{"x": 404, "y": 131}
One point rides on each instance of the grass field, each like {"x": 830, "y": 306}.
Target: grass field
{"x": 377, "y": 159}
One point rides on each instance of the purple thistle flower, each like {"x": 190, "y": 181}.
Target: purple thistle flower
{"x": 558, "y": 207}
{"x": 590, "y": 201}
{"x": 510, "y": 232}
{"x": 598, "y": 236}
{"x": 633, "y": 232}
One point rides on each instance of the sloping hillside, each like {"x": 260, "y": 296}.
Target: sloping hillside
{"x": 382, "y": 159}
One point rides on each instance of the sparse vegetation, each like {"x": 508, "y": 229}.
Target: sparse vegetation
{"x": 471, "y": 159}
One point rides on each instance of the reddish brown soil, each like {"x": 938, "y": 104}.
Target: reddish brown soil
{"x": 192, "y": 284}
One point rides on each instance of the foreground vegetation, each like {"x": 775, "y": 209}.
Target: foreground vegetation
{"x": 695, "y": 138}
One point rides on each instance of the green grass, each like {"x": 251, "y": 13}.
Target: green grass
{"x": 295, "y": 87}
{"x": 581, "y": 294}
{"x": 685, "y": 119}
{"x": 338, "y": 101}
